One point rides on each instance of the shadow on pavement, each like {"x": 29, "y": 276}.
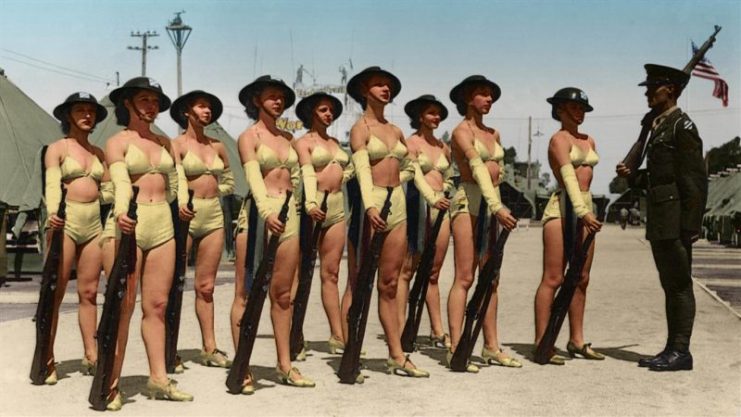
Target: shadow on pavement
{"x": 527, "y": 350}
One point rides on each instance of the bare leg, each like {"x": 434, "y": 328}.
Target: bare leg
{"x": 157, "y": 271}
{"x": 433, "y": 290}
{"x": 402, "y": 292}
{"x": 240, "y": 292}
{"x": 330, "y": 251}
{"x": 352, "y": 276}
{"x": 553, "y": 265}
{"x": 280, "y": 299}
{"x": 207, "y": 264}
{"x": 88, "y": 276}
{"x": 578, "y": 303}
{"x": 465, "y": 266}
{"x": 389, "y": 266}
{"x": 63, "y": 275}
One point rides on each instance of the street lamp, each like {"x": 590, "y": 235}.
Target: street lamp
{"x": 179, "y": 34}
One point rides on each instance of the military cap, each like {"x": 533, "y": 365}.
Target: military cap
{"x": 660, "y": 74}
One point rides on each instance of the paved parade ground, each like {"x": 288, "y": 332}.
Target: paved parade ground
{"x": 624, "y": 320}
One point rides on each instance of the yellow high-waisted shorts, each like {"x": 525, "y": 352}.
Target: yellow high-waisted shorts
{"x": 557, "y": 203}
{"x": 335, "y": 207}
{"x": 467, "y": 199}
{"x": 153, "y": 225}
{"x": 82, "y": 221}
{"x": 292, "y": 223}
{"x": 398, "y": 213}
{"x": 208, "y": 218}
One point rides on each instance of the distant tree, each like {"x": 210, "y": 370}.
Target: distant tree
{"x": 446, "y": 137}
{"x": 727, "y": 155}
{"x": 510, "y": 155}
{"x": 619, "y": 185}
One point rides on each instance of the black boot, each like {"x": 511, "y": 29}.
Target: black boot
{"x": 673, "y": 360}
{"x": 646, "y": 362}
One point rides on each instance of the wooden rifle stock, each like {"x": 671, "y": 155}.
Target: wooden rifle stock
{"x": 418, "y": 292}
{"x": 634, "y": 158}
{"x": 561, "y": 303}
{"x": 45, "y": 308}
{"x": 251, "y": 317}
{"x": 107, "y": 335}
{"x": 175, "y": 297}
{"x": 479, "y": 304}
{"x": 357, "y": 317}
{"x": 305, "y": 276}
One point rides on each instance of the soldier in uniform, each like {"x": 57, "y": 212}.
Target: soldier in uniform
{"x": 676, "y": 182}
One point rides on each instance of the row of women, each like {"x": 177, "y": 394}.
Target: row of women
{"x": 275, "y": 163}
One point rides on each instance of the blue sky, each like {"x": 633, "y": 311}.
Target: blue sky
{"x": 530, "y": 48}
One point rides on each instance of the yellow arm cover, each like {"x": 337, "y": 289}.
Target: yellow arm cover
{"x": 488, "y": 190}
{"x": 572, "y": 189}
{"x": 406, "y": 169}
{"x": 226, "y": 183}
{"x": 365, "y": 178}
{"x": 348, "y": 172}
{"x": 106, "y": 192}
{"x": 53, "y": 192}
{"x": 310, "y": 186}
{"x": 257, "y": 188}
{"x": 180, "y": 182}
{"x": 296, "y": 183}
{"x": 421, "y": 183}
{"x": 121, "y": 187}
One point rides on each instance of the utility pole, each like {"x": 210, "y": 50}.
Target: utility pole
{"x": 529, "y": 147}
{"x": 179, "y": 34}
{"x": 144, "y": 48}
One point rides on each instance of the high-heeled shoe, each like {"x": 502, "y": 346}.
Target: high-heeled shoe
{"x": 216, "y": 358}
{"x": 248, "y": 388}
{"x": 336, "y": 346}
{"x": 585, "y": 351}
{"x": 179, "y": 366}
{"x": 168, "y": 391}
{"x": 285, "y": 378}
{"x": 440, "y": 342}
{"x": 51, "y": 378}
{"x": 88, "y": 367}
{"x": 116, "y": 403}
{"x": 393, "y": 367}
{"x": 471, "y": 368}
{"x": 500, "y": 358}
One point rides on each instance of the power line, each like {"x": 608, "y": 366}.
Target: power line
{"x": 79, "y": 77}
{"x": 57, "y": 66}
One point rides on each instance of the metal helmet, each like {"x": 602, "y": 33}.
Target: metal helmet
{"x": 569, "y": 94}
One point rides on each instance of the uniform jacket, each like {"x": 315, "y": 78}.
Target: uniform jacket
{"x": 675, "y": 179}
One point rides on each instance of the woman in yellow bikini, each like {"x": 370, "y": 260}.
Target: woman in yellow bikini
{"x": 380, "y": 159}
{"x": 572, "y": 157}
{"x": 272, "y": 168}
{"x": 137, "y": 156}
{"x": 206, "y": 167}
{"x": 76, "y": 165}
{"x": 478, "y": 152}
{"x": 325, "y": 167}
{"x": 431, "y": 180}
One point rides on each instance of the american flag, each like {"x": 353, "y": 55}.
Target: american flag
{"x": 704, "y": 69}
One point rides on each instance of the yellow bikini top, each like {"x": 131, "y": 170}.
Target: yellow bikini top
{"x": 268, "y": 159}
{"x": 378, "y": 150}
{"x": 441, "y": 165}
{"x": 320, "y": 157}
{"x": 484, "y": 153}
{"x": 72, "y": 169}
{"x": 579, "y": 157}
{"x": 194, "y": 166}
{"x": 138, "y": 163}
